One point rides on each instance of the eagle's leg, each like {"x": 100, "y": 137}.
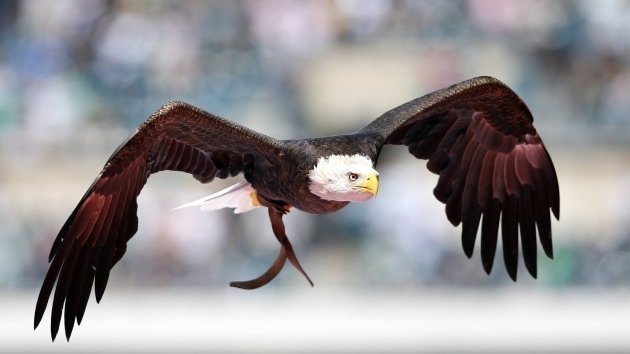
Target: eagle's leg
{"x": 276, "y": 211}
{"x": 278, "y": 229}
{"x": 266, "y": 277}
{"x": 278, "y": 264}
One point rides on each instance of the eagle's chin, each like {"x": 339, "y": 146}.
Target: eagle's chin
{"x": 353, "y": 195}
{"x": 361, "y": 196}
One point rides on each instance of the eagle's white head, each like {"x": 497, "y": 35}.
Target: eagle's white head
{"x": 344, "y": 178}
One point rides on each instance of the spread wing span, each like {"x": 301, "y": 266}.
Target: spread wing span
{"x": 177, "y": 137}
{"x": 493, "y": 166}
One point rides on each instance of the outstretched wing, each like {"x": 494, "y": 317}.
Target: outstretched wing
{"x": 177, "y": 137}
{"x": 493, "y": 166}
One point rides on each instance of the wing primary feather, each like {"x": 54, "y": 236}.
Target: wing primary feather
{"x": 112, "y": 253}
{"x": 82, "y": 229}
{"x": 103, "y": 267}
{"x": 438, "y": 161}
{"x": 101, "y": 223}
{"x": 130, "y": 228}
{"x": 78, "y": 273}
{"x": 540, "y": 159}
{"x": 555, "y": 191}
{"x": 416, "y": 130}
{"x": 73, "y": 298}
{"x": 551, "y": 183}
{"x": 45, "y": 291}
{"x": 441, "y": 158}
{"x": 63, "y": 233}
{"x": 454, "y": 132}
{"x": 63, "y": 282}
{"x": 470, "y": 225}
{"x": 509, "y": 176}
{"x": 543, "y": 221}
{"x": 509, "y": 233}
{"x": 484, "y": 190}
{"x": 540, "y": 209}
{"x": 127, "y": 195}
{"x": 105, "y": 229}
{"x": 454, "y": 202}
{"x": 98, "y": 247}
{"x": 107, "y": 248}
{"x": 491, "y": 211}
{"x": 434, "y": 137}
{"x": 528, "y": 231}
{"x": 424, "y": 136}
{"x": 85, "y": 293}
{"x": 471, "y": 212}
{"x": 535, "y": 154}
{"x": 444, "y": 187}
{"x": 101, "y": 277}
{"x": 522, "y": 166}
{"x": 489, "y": 234}
{"x": 498, "y": 184}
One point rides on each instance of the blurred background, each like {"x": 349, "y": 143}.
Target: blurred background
{"x": 77, "y": 77}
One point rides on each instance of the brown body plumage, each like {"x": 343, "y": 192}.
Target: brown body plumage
{"x": 476, "y": 135}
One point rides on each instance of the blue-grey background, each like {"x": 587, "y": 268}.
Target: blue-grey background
{"x": 77, "y": 77}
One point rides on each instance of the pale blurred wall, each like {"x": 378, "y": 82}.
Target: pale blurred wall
{"x": 77, "y": 77}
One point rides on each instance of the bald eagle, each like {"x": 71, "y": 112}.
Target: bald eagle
{"x": 477, "y": 135}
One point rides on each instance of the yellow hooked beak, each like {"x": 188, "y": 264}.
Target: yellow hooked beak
{"x": 371, "y": 184}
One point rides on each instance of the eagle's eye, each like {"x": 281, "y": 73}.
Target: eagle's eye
{"x": 353, "y": 176}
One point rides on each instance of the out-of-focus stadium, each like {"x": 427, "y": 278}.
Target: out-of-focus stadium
{"x": 77, "y": 77}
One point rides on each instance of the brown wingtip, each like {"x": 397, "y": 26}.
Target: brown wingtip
{"x": 53, "y": 331}
{"x": 487, "y": 267}
{"x": 512, "y": 276}
{"x": 556, "y": 211}
{"x": 40, "y": 308}
{"x": 532, "y": 269}
{"x": 38, "y": 319}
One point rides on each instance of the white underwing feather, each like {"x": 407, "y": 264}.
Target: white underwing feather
{"x": 238, "y": 197}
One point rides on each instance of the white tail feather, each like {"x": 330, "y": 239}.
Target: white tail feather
{"x": 241, "y": 197}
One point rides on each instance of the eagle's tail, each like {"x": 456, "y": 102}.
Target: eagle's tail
{"x": 242, "y": 197}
